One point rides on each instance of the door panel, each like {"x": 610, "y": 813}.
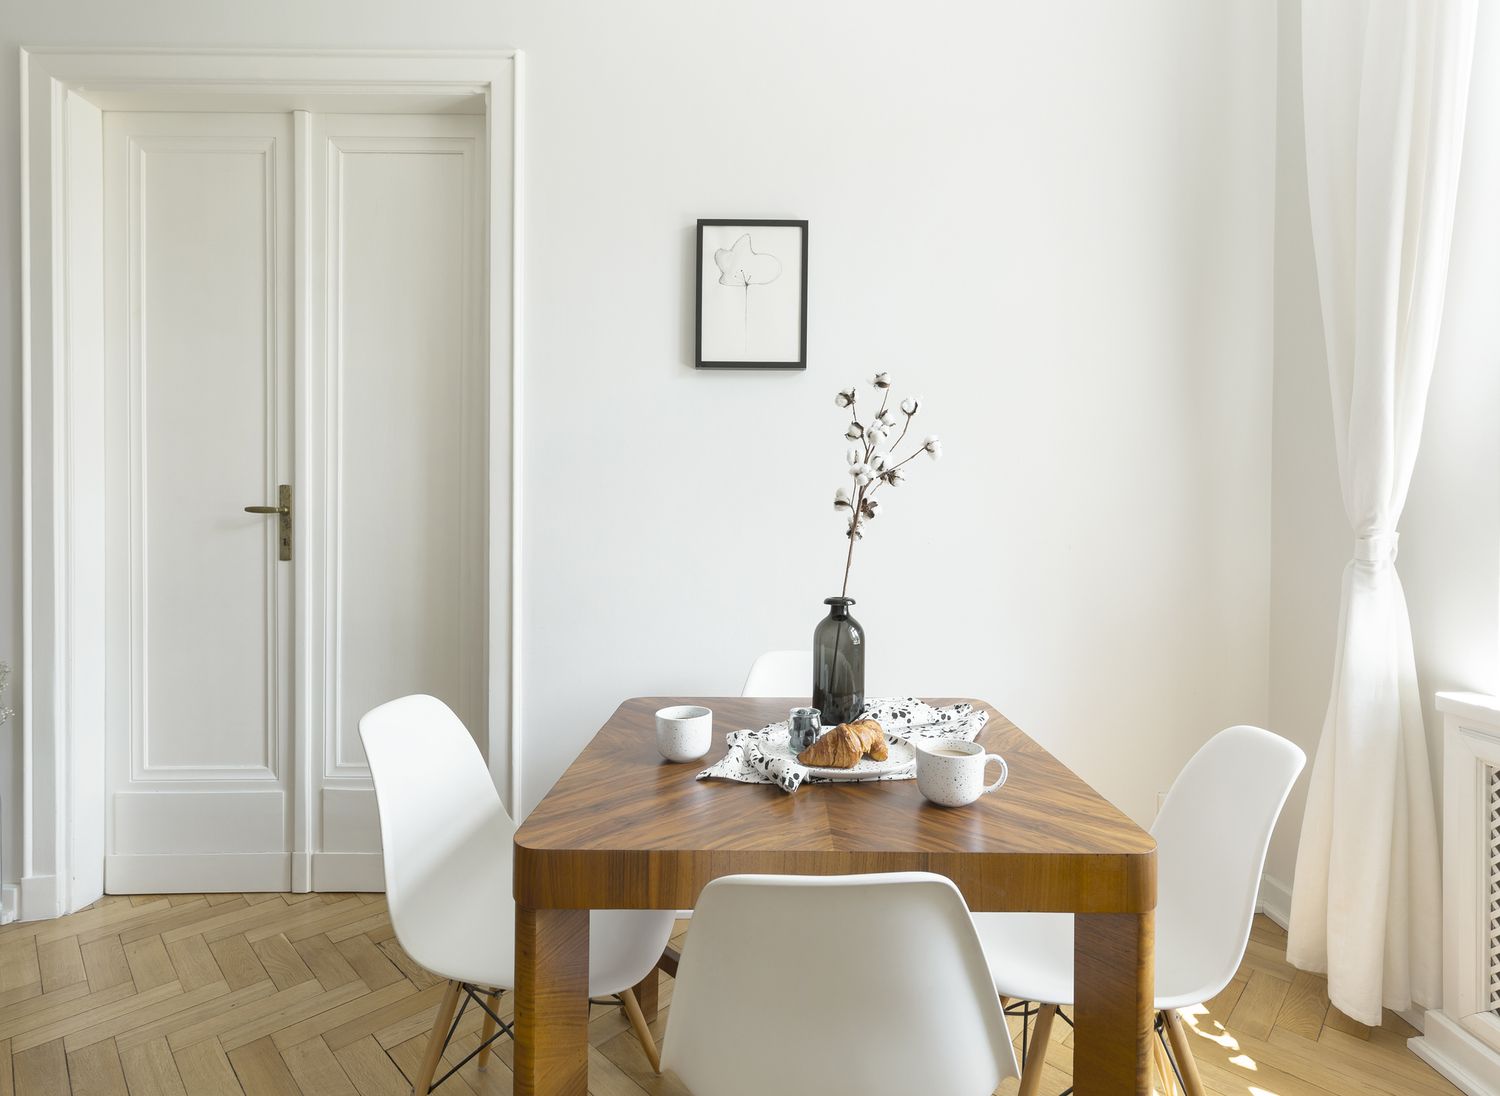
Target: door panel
{"x": 197, "y": 303}
{"x": 213, "y": 785}
{"x": 398, "y": 211}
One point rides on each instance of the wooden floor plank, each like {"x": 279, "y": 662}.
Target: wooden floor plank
{"x": 42, "y": 1070}
{"x": 18, "y": 964}
{"x": 104, "y": 962}
{"x": 369, "y": 962}
{"x": 328, "y": 965}
{"x": 237, "y": 962}
{"x": 149, "y": 965}
{"x": 236, "y": 1018}
{"x": 61, "y": 963}
{"x": 205, "y": 1070}
{"x": 193, "y": 963}
{"x": 315, "y": 1005}
{"x": 150, "y": 1070}
{"x": 1305, "y": 1005}
{"x": 326, "y": 1023}
{"x": 95, "y": 1071}
{"x": 316, "y": 1070}
{"x": 261, "y": 1071}
{"x": 165, "y": 1027}
{"x": 1255, "y": 1013}
{"x": 144, "y": 1014}
{"x": 281, "y": 961}
{"x": 7, "y": 1074}
{"x": 103, "y": 1012}
{"x": 371, "y": 1070}
{"x": 1337, "y": 1021}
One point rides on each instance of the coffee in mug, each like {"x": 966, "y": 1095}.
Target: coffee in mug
{"x": 950, "y": 772}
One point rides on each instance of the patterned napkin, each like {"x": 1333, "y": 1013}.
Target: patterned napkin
{"x": 902, "y": 718}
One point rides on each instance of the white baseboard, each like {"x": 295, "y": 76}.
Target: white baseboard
{"x": 1275, "y": 900}
{"x": 10, "y": 897}
{"x": 1455, "y": 1053}
{"x": 37, "y": 898}
{"x": 302, "y": 872}
{"x": 347, "y": 871}
{"x": 193, "y": 873}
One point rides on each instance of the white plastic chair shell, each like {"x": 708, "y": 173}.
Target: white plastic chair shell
{"x": 447, "y": 846}
{"x": 1212, "y": 835}
{"x": 874, "y": 984}
{"x": 780, "y": 673}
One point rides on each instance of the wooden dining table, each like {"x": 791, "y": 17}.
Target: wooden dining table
{"x": 624, "y": 829}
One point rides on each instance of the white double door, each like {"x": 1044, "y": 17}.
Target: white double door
{"x": 291, "y": 299}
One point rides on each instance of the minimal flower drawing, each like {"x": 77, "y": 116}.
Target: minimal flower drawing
{"x": 741, "y": 266}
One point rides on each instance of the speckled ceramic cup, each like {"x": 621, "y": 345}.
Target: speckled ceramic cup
{"x": 950, "y": 771}
{"x": 684, "y": 732}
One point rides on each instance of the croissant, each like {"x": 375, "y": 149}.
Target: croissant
{"x": 844, "y": 746}
{"x": 871, "y": 739}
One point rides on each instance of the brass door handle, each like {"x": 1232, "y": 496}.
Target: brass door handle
{"x": 284, "y": 512}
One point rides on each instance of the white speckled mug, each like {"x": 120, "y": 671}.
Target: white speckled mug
{"x": 950, "y": 771}
{"x": 684, "y": 732}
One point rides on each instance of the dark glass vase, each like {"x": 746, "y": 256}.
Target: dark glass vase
{"x": 838, "y": 664}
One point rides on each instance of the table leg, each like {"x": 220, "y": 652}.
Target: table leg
{"x": 648, "y": 995}
{"x": 552, "y": 1002}
{"x": 1114, "y": 986}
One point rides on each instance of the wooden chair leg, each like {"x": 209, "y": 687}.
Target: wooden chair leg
{"x": 493, "y": 1000}
{"x": 1182, "y": 1051}
{"x": 422, "y": 1084}
{"x": 1036, "y": 1057}
{"x": 642, "y": 1032}
{"x": 1166, "y": 1081}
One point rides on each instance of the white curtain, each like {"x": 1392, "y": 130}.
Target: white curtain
{"x": 1385, "y": 87}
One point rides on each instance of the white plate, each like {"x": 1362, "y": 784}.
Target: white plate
{"x": 902, "y": 757}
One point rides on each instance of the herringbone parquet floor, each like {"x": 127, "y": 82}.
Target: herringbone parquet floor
{"x": 201, "y": 995}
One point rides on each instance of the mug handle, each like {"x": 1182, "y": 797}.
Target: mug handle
{"x": 1004, "y": 772}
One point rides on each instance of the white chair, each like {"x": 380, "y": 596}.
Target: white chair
{"x": 1212, "y": 835}
{"x": 780, "y": 673}
{"x": 874, "y": 984}
{"x": 447, "y": 848}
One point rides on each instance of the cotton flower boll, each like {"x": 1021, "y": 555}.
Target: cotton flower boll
{"x": 854, "y": 455}
{"x": 870, "y": 507}
{"x": 881, "y": 380}
{"x": 856, "y": 530}
{"x": 888, "y": 419}
{"x": 893, "y": 476}
{"x": 910, "y": 405}
{"x": 877, "y": 462}
{"x": 845, "y": 398}
{"x": 862, "y": 473}
{"x": 933, "y": 446}
{"x": 841, "y": 500}
{"x": 855, "y": 431}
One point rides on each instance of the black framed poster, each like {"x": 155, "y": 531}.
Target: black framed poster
{"x": 752, "y": 294}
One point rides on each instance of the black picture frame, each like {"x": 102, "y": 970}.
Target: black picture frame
{"x": 698, "y": 277}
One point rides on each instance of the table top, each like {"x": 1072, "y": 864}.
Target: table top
{"x": 622, "y": 828}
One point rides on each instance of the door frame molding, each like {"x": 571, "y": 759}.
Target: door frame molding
{"x": 63, "y": 93}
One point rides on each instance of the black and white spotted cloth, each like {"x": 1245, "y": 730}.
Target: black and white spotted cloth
{"x": 902, "y": 718}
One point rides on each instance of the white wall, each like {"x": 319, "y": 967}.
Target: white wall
{"x": 1055, "y": 221}
{"x": 1450, "y": 533}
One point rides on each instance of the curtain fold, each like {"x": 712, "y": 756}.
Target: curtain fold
{"x": 1385, "y": 88}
